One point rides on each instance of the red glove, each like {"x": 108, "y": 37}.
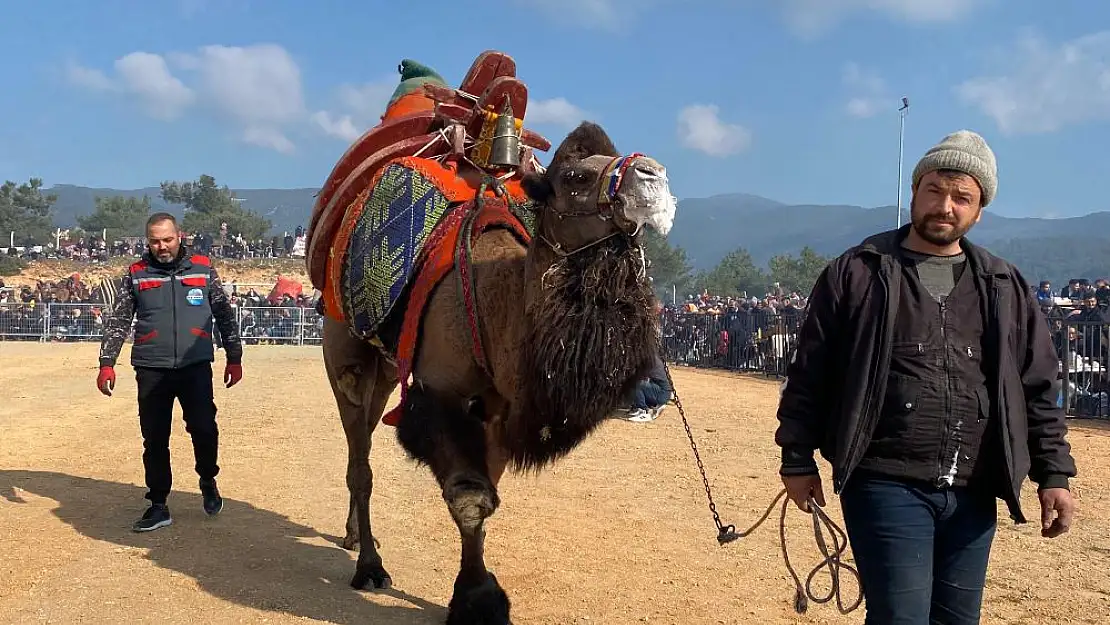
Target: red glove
{"x": 232, "y": 374}
{"x": 106, "y": 381}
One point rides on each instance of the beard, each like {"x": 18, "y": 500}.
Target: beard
{"x": 939, "y": 230}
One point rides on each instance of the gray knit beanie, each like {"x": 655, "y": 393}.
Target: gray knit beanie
{"x": 963, "y": 151}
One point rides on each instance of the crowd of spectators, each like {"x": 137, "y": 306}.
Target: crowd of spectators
{"x": 73, "y": 310}
{"x": 94, "y": 249}
{"x": 1079, "y": 318}
{"x": 741, "y": 333}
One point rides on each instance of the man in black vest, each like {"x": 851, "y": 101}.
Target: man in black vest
{"x": 925, "y": 373}
{"x": 173, "y": 297}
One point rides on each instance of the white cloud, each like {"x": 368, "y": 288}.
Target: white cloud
{"x": 143, "y": 75}
{"x": 359, "y": 107}
{"x": 147, "y": 76}
{"x": 88, "y": 78}
{"x": 341, "y": 127}
{"x": 700, "y": 128}
{"x": 268, "y": 137}
{"x": 367, "y": 101}
{"x": 1039, "y": 87}
{"x": 812, "y": 17}
{"x": 556, "y": 112}
{"x": 867, "y": 91}
{"x": 257, "y": 88}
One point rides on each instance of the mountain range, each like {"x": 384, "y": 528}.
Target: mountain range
{"x": 708, "y": 228}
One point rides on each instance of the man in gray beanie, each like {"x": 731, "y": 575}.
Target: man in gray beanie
{"x": 926, "y": 375}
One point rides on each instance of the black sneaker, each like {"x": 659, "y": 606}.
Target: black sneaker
{"x": 213, "y": 503}
{"x": 156, "y": 516}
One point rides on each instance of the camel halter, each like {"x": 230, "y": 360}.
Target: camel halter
{"x": 612, "y": 178}
{"x": 615, "y": 174}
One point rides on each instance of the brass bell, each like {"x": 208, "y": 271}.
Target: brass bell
{"x": 505, "y": 145}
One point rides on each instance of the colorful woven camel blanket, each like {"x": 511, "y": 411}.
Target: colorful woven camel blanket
{"x": 439, "y": 260}
{"x": 382, "y": 238}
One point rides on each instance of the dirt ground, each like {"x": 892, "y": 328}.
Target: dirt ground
{"x": 618, "y": 533}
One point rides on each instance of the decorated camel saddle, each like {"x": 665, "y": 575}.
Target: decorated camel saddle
{"x": 399, "y": 209}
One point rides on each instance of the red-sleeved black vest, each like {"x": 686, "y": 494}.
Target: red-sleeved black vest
{"x": 173, "y": 317}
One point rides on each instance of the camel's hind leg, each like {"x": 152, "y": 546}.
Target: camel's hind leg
{"x": 362, "y": 382}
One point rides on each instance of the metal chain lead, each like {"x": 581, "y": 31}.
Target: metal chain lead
{"x": 725, "y": 533}
{"x": 803, "y": 593}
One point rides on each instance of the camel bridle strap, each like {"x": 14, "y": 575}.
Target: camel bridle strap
{"x": 822, "y": 522}
{"x": 558, "y": 248}
{"x": 612, "y": 178}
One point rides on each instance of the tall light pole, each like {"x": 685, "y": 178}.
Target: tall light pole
{"x": 901, "y": 134}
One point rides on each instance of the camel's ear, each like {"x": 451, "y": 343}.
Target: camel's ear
{"x": 587, "y": 140}
{"x": 538, "y": 187}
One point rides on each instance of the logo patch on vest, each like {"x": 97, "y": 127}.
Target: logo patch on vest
{"x": 195, "y": 297}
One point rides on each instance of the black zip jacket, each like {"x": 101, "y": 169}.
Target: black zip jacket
{"x": 837, "y": 378}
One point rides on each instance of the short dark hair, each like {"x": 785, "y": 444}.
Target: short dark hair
{"x": 158, "y": 218}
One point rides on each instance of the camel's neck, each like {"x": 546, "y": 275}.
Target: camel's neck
{"x": 587, "y": 334}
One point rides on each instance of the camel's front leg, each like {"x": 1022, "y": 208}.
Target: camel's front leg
{"x": 449, "y": 435}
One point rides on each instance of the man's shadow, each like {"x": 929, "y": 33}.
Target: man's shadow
{"x": 246, "y": 555}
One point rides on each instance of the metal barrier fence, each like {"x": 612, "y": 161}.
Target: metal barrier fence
{"x": 751, "y": 343}
{"x": 736, "y": 342}
{"x": 765, "y": 343}
{"x": 56, "y": 322}
{"x": 1083, "y": 348}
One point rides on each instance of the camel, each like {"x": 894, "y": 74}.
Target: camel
{"x": 566, "y": 325}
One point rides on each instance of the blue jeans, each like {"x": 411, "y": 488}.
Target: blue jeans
{"x": 649, "y": 394}
{"x": 921, "y": 552}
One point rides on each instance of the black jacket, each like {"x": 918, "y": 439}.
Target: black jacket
{"x": 837, "y": 379}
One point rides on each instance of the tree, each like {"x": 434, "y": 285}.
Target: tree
{"x": 207, "y": 206}
{"x": 667, "y": 265}
{"x": 797, "y": 273}
{"x": 120, "y": 216}
{"x": 735, "y": 274}
{"x": 25, "y": 210}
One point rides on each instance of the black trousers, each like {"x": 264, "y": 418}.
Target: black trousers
{"x": 192, "y": 387}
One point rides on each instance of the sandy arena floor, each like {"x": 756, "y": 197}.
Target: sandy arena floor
{"x": 618, "y": 533}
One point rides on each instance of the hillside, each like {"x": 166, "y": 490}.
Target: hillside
{"x": 709, "y": 228}
{"x": 246, "y": 272}
{"x": 285, "y": 208}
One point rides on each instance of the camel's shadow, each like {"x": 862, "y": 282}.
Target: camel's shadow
{"x": 246, "y": 555}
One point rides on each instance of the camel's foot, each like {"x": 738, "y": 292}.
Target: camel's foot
{"x": 483, "y": 604}
{"x": 370, "y": 574}
{"x": 471, "y": 500}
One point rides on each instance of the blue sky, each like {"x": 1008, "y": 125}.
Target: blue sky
{"x": 795, "y": 100}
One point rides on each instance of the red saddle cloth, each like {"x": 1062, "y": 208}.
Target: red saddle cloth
{"x": 438, "y": 259}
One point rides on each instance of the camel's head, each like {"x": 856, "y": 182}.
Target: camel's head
{"x": 591, "y": 192}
